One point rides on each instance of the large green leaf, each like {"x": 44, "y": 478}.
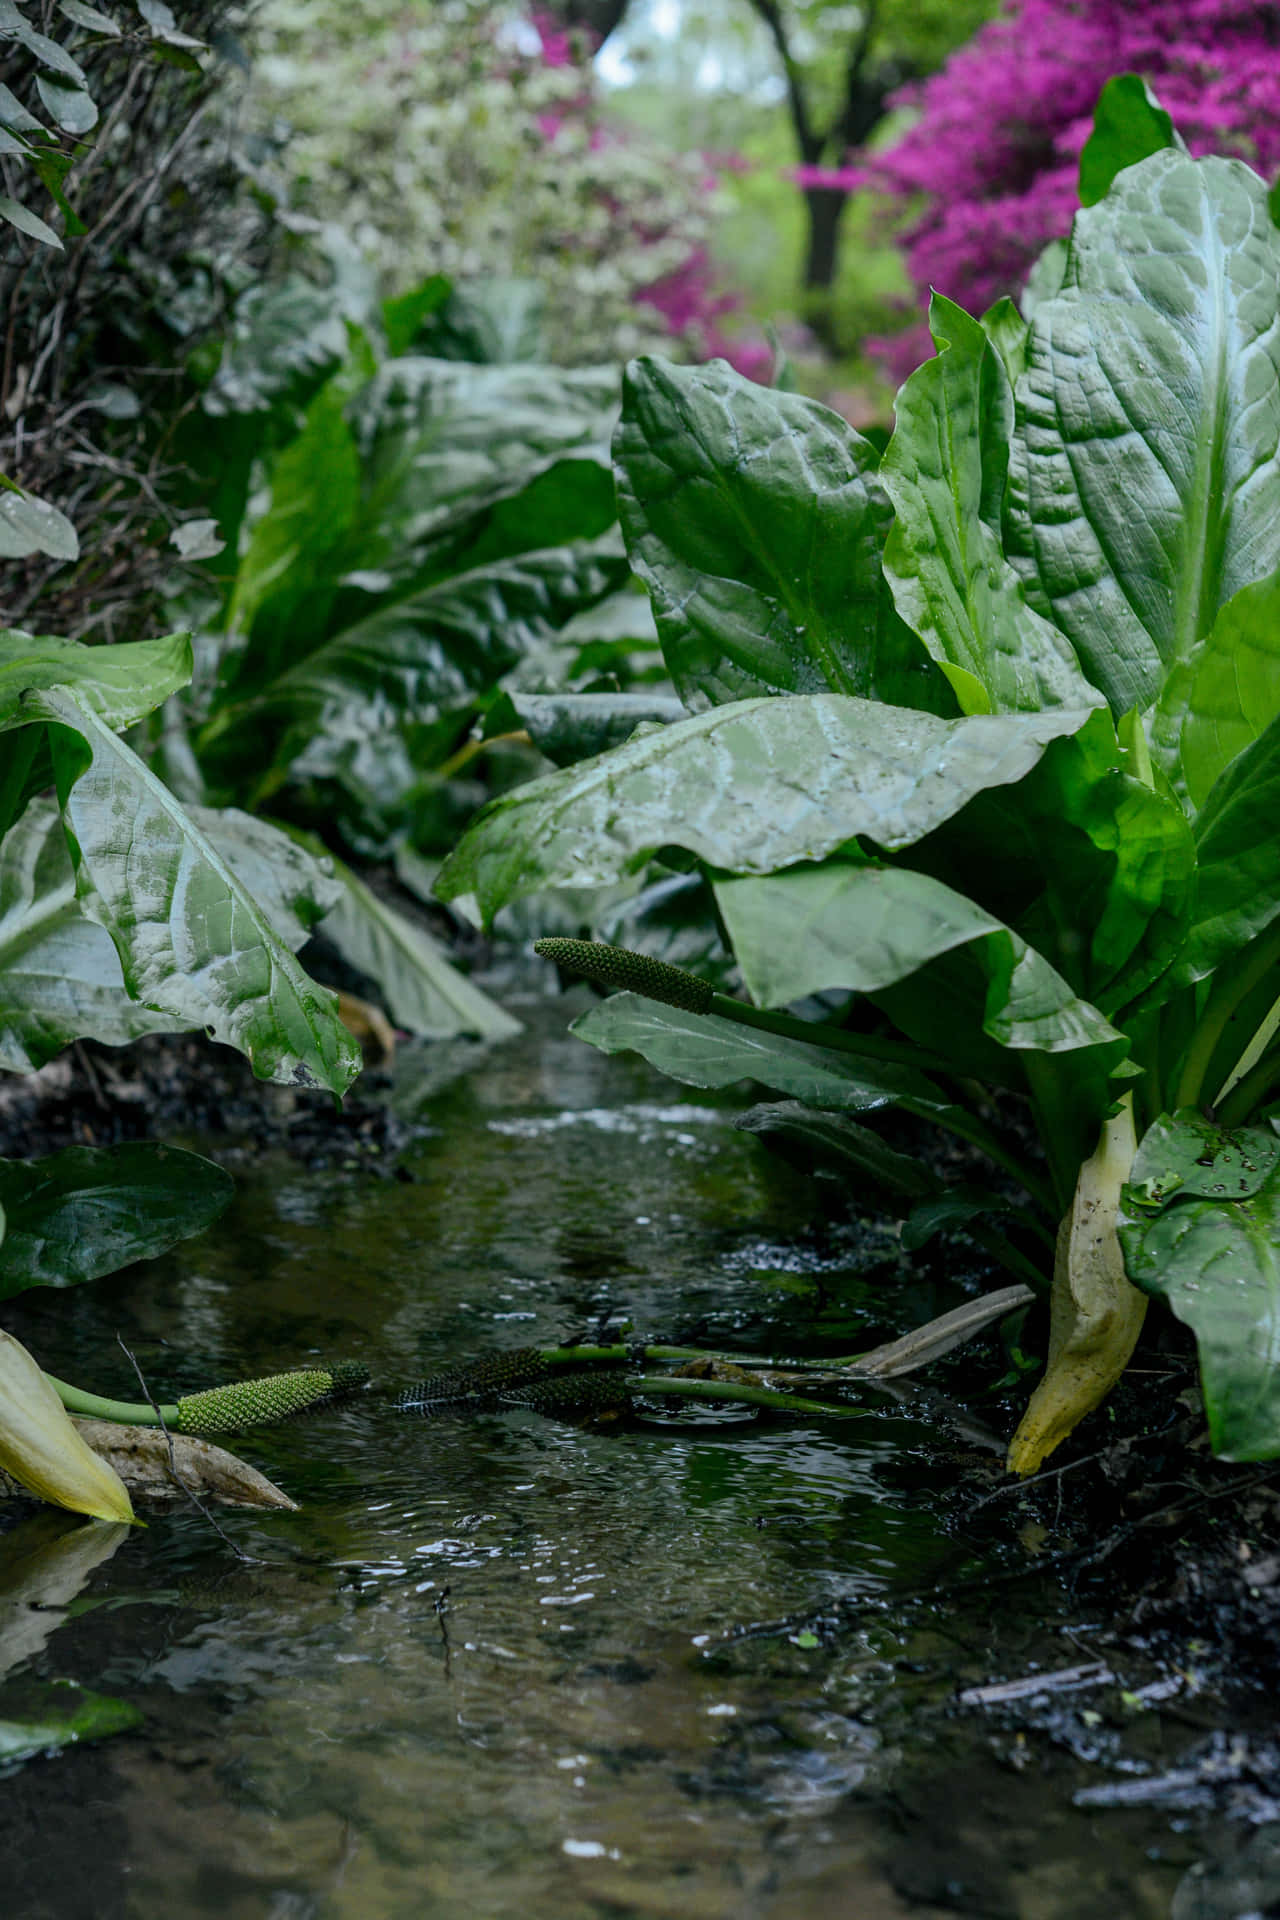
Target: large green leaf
{"x": 1216, "y": 1261}
{"x": 704, "y": 1050}
{"x": 60, "y": 977}
{"x": 422, "y": 992}
{"x": 441, "y": 443}
{"x": 1216, "y": 702}
{"x": 86, "y": 1211}
{"x": 403, "y": 664}
{"x": 1237, "y": 859}
{"x": 751, "y": 786}
{"x": 865, "y": 928}
{"x": 119, "y": 683}
{"x": 289, "y": 557}
{"x": 945, "y": 471}
{"x": 1128, "y": 124}
{"x": 1144, "y": 480}
{"x": 757, "y": 522}
{"x": 193, "y": 941}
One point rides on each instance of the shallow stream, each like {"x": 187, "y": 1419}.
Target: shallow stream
{"x": 504, "y": 1667}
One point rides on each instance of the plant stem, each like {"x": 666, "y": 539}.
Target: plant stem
{"x": 1223, "y": 1000}
{"x": 674, "y": 1386}
{"x": 130, "y": 1413}
{"x": 1250, "y": 1091}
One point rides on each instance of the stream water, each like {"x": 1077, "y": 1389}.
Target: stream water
{"x": 500, "y": 1666}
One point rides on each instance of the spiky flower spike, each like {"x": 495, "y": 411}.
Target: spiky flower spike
{"x": 257, "y": 1403}
{"x": 620, "y": 967}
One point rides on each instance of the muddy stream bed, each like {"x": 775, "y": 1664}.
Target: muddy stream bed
{"x": 502, "y": 1666}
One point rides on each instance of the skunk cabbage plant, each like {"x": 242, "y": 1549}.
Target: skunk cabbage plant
{"x": 985, "y": 733}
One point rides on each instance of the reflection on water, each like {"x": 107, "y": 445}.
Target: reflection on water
{"x": 497, "y": 1666}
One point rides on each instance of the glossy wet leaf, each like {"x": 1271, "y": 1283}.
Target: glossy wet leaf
{"x": 1144, "y": 484}
{"x": 1216, "y": 1262}
{"x": 945, "y": 471}
{"x": 87, "y": 1211}
{"x": 1128, "y": 124}
{"x": 60, "y": 976}
{"x": 193, "y": 941}
{"x": 43, "y": 1717}
{"x": 709, "y": 1051}
{"x": 1223, "y": 696}
{"x": 866, "y": 928}
{"x": 1185, "y": 1155}
{"x": 756, "y": 520}
{"x": 750, "y": 786}
{"x": 119, "y": 684}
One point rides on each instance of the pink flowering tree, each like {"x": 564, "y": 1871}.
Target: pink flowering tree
{"x": 988, "y": 172}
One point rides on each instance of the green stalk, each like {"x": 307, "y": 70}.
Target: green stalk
{"x": 673, "y": 1386}
{"x": 1250, "y": 1091}
{"x": 242, "y": 1403}
{"x": 1224, "y": 997}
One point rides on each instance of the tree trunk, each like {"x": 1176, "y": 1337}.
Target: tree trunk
{"x": 598, "y": 17}
{"x": 824, "y": 206}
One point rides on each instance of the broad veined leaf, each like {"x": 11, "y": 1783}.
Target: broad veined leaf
{"x": 1128, "y": 124}
{"x": 119, "y": 684}
{"x": 86, "y": 1211}
{"x": 1216, "y": 1261}
{"x": 192, "y": 940}
{"x": 1144, "y": 481}
{"x": 865, "y": 928}
{"x": 422, "y": 992}
{"x": 405, "y": 663}
{"x": 60, "y": 977}
{"x": 314, "y": 493}
{"x": 757, "y": 521}
{"x": 751, "y": 786}
{"x": 704, "y": 1050}
{"x": 1237, "y": 860}
{"x": 1216, "y": 702}
{"x": 945, "y": 471}
{"x": 283, "y": 339}
{"x": 441, "y": 443}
